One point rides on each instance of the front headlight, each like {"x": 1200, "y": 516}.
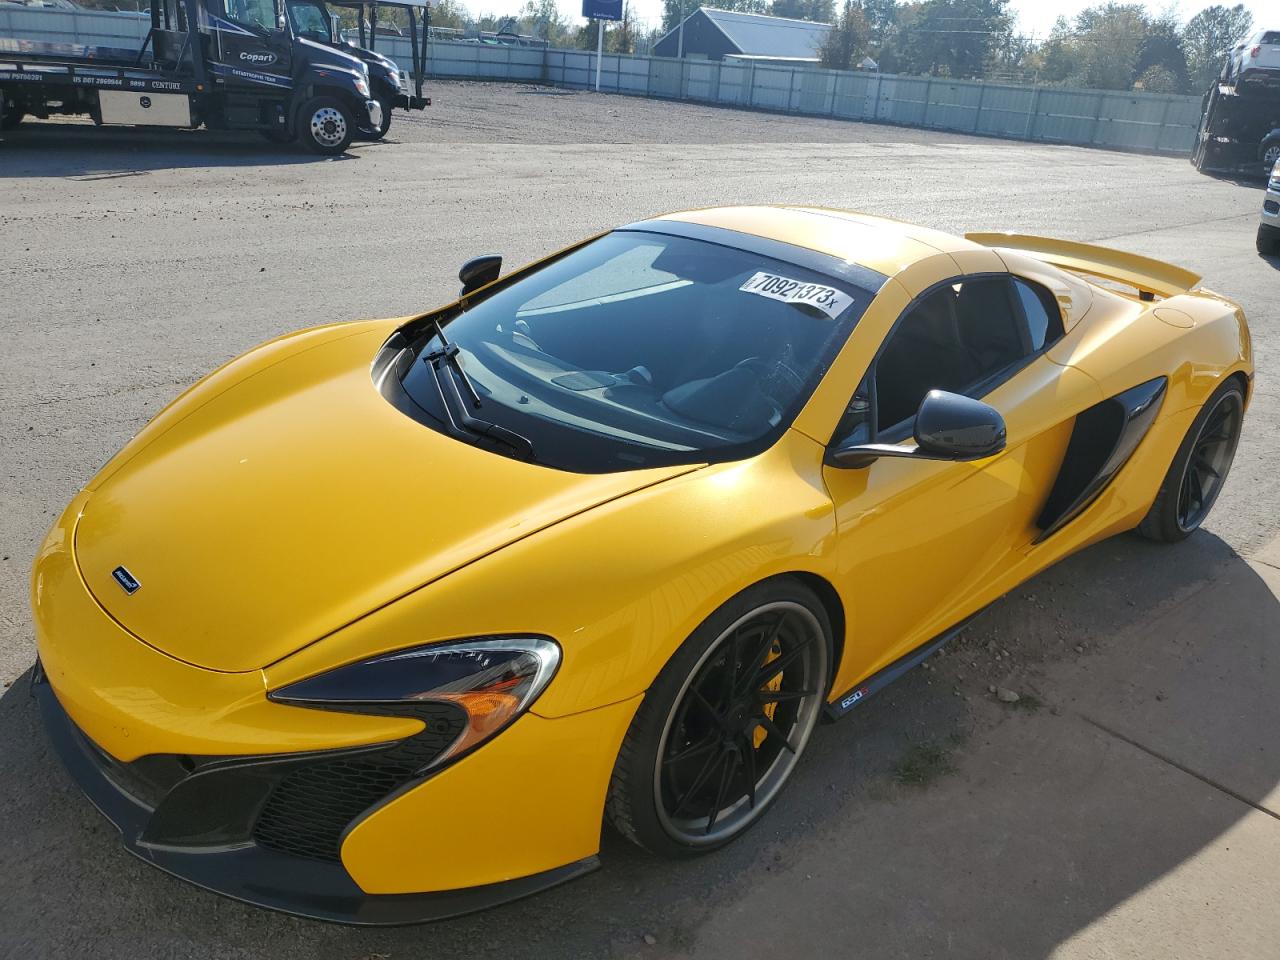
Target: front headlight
{"x": 362, "y": 85}
{"x": 394, "y": 77}
{"x": 493, "y": 680}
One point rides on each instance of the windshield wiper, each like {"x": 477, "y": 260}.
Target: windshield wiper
{"x": 466, "y": 426}
{"x": 448, "y": 352}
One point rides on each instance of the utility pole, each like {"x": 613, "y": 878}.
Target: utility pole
{"x": 680, "y": 42}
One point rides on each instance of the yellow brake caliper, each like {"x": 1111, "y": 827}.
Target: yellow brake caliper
{"x": 759, "y": 735}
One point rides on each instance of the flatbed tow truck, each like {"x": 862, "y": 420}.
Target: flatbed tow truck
{"x": 221, "y": 64}
{"x": 1239, "y": 128}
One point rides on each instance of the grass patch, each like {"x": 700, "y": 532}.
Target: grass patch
{"x": 923, "y": 763}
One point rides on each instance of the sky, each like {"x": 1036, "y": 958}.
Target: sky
{"x": 1035, "y": 17}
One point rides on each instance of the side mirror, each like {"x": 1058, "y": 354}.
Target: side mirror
{"x": 948, "y": 427}
{"x": 478, "y": 271}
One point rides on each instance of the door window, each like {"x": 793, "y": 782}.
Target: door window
{"x": 965, "y": 336}
{"x": 259, "y": 14}
{"x": 309, "y": 21}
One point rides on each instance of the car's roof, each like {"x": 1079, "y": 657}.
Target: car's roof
{"x": 878, "y": 243}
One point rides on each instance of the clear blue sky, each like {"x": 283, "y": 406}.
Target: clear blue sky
{"x": 1035, "y": 17}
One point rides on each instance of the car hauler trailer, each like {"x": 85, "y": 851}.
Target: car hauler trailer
{"x": 1239, "y": 126}
{"x": 313, "y": 20}
{"x": 221, "y": 64}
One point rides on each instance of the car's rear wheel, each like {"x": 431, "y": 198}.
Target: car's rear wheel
{"x": 721, "y": 730}
{"x": 1199, "y": 468}
{"x": 1270, "y": 155}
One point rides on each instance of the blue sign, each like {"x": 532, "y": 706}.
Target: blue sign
{"x": 602, "y": 9}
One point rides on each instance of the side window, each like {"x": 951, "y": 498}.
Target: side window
{"x": 963, "y": 337}
{"x": 253, "y": 13}
{"x": 1044, "y": 319}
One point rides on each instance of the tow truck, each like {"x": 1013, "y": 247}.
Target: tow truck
{"x": 313, "y": 20}
{"x": 221, "y": 64}
{"x": 1240, "y": 122}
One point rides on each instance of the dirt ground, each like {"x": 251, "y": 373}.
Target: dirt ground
{"x": 1125, "y": 806}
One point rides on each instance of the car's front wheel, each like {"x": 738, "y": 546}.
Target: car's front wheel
{"x": 721, "y": 730}
{"x": 1199, "y": 468}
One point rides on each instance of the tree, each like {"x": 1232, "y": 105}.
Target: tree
{"x": 543, "y": 19}
{"x": 1207, "y": 38}
{"x": 449, "y": 14}
{"x": 1157, "y": 79}
{"x": 621, "y": 36}
{"x": 819, "y": 11}
{"x": 845, "y": 42}
{"x": 953, "y": 38}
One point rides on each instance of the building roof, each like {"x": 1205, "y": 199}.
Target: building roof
{"x": 758, "y": 35}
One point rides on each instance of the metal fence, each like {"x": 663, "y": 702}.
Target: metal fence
{"x": 1156, "y": 123}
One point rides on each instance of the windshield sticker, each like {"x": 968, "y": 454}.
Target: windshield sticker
{"x": 829, "y": 300}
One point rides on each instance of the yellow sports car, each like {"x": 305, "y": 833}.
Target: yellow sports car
{"x": 382, "y": 621}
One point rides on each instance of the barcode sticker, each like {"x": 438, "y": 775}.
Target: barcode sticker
{"x": 829, "y": 300}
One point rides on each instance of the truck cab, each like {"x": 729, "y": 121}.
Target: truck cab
{"x": 316, "y": 21}
{"x": 221, "y": 64}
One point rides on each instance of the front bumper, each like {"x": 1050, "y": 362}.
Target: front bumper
{"x": 375, "y": 113}
{"x": 234, "y": 863}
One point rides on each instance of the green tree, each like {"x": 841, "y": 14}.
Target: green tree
{"x": 543, "y": 19}
{"x": 450, "y": 14}
{"x": 819, "y": 11}
{"x": 953, "y": 38}
{"x": 1207, "y": 38}
{"x": 845, "y": 43}
{"x": 1157, "y": 79}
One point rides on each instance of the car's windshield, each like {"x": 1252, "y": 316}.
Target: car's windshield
{"x": 644, "y": 349}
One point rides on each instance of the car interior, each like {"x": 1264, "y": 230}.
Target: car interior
{"x": 964, "y": 337}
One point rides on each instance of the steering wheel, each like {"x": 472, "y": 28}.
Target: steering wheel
{"x": 771, "y": 372}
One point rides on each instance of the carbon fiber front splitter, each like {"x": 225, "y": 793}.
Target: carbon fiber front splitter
{"x": 254, "y": 874}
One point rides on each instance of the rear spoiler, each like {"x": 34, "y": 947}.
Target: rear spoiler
{"x": 1152, "y": 278}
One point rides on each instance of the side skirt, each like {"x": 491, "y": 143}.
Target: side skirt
{"x": 839, "y": 707}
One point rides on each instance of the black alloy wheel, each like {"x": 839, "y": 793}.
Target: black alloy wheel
{"x": 1210, "y": 460}
{"x": 723, "y": 727}
{"x": 1199, "y": 468}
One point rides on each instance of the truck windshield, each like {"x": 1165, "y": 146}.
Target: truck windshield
{"x": 643, "y": 349}
{"x": 311, "y": 21}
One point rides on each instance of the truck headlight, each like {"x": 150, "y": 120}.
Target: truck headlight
{"x": 362, "y": 85}
{"x": 493, "y": 679}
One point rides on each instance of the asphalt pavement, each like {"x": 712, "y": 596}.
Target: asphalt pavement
{"x": 1125, "y": 806}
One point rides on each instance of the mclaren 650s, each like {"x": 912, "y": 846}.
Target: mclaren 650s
{"x": 382, "y": 621}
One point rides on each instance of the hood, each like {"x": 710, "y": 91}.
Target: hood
{"x": 296, "y": 501}
{"x": 319, "y": 54}
{"x": 370, "y": 56}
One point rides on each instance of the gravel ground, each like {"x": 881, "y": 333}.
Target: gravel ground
{"x": 135, "y": 265}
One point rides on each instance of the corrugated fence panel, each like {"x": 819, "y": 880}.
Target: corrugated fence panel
{"x": 954, "y": 105}
{"x": 1066, "y": 116}
{"x": 856, "y": 95}
{"x": 1128, "y": 121}
{"x": 1006, "y": 111}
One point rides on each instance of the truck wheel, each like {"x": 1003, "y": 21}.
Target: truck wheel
{"x": 1269, "y": 156}
{"x": 326, "y": 126}
{"x": 1268, "y": 240}
{"x": 11, "y": 117}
